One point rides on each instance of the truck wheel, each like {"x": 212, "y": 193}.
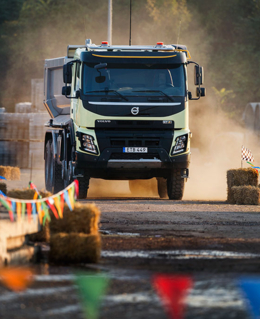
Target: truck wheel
{"x": 83, "y": 187}
{"x": 175, "y": 185}
{"x": 56, "y": 181}
{"x": 162, "y": 187}
{"x": 48, "y": 182}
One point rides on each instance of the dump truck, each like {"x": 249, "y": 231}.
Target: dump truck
{"x": 119, "y": 113}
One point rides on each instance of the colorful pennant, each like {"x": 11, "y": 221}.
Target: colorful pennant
{"x": 91, "y": 288}
{"x": 19, "y": 208}
{"x": 172, "y": 290}
{"x": 251, "y": 289}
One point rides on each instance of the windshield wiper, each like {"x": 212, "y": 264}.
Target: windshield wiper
{"x": 159, "y": 91}
{"x": 107, "y": 91}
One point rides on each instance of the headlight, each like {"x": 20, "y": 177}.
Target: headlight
{"x": 87, "y": 143}
{"x": 180, "y": 144}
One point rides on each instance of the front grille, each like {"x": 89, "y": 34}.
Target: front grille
{"x": 135, "y": 142}
{"x": 131, "y": 156}
{"x": 117, "y": 142}
{"x": 152, "y": 143}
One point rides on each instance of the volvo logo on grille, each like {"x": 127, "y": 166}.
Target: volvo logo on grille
{"x": 135, "y": 110}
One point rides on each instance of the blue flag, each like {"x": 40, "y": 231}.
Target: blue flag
{"x": 251, "y": 290}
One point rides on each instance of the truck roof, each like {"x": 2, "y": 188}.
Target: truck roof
{"x": 105, "y": 47}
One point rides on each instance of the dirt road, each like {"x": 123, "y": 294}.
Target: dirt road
{"x": 213, "y": 242}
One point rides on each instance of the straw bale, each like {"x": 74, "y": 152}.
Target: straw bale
{"x": 83, "y": 219}
{"x": 15, "y": 173}
{"x": 43, "y": 235}
{"x": 245, "y": 195}
{"x": 3, "y": 188}
{"x": 5, "y": 171}
{"x": 25, "y": 193}
{"x": 75, "y": 248}
{"x": 240, "y": 177}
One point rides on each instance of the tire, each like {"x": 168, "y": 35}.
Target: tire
{"x": 175, "y": 185}
{"x": 53, "y": 178}
{"x": 48, "y": 183}
{"x": 162, "y": 187}
{"x": 58, "y": 182}
{"x": 83, "y": 187}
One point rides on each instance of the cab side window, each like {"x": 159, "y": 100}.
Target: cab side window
{"x": 77, "y": 77}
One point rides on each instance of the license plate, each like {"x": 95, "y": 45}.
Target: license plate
{"x": 135, "y": 150}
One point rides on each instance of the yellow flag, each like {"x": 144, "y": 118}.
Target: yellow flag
{"x": 18, "y": 209}
{"x": 39, "y": 210}
{"x": 57, "y": 204}
{"x": 71, "y": 197}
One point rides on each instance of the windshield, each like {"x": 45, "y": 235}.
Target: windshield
{"x": 134, "y": 80}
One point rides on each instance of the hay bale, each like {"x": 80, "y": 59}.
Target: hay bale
{"x": 41, "y": 236}
{"x": 240, "y": 177}
{"x": 3, "y": 188}
{"x": 83, "y": 219}
{"x": 75, "y": 248}
{"x": 26, "y": 193}
{"x": 245, "y": 195}
{"x": 5, "y": 171}
{"x": 15, "y": 173}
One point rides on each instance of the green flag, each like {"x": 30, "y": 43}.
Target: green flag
{"x": 91, "y": 288}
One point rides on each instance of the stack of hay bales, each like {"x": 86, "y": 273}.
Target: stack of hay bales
{"x": 3, "y": 188}
{"x": 243, "y": 186}
{"x": 75, "y": 237}
{"x": 10, "y": 173}
{"x": 44, "y": 234}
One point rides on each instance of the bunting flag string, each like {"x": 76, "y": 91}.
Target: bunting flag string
{"x": 256, "y": 168}
{"x": 39, "y": 207}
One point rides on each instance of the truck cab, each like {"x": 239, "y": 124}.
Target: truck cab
{"x": 128, "y": 116}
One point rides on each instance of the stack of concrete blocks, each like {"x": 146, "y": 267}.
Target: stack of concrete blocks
{"x": 13, "y": 241}
{"x": 22, "y": 133}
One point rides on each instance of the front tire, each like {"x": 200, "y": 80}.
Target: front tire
{"x": 175, "y": 185}
{"x": 83, "y": 187}
{"x": 53, "y": 171}
{"x": 162, "y": 187}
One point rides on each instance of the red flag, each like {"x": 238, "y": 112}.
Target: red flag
{"x": 76, "y": 183}
{"x": 172, "y": 289}
{"x": 11, "y": 215}
{"x": 29, "y": 211}
{"x": 50, "y": 204}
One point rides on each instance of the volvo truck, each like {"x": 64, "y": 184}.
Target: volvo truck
{"x": 119, "y": 113}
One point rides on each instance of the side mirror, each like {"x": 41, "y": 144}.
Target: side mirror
{"x": 67, "y": 73}
{"x": 66, "y": 90}
{"x": 200, "y": 92}
{"x": 198, "y": 75}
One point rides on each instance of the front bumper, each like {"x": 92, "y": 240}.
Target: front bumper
{"x": 113, "y": 164}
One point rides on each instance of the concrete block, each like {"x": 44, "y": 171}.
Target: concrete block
{"x": 13, "y": 247}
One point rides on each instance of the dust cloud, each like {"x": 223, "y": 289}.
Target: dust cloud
{"x": 217, "y": 139}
